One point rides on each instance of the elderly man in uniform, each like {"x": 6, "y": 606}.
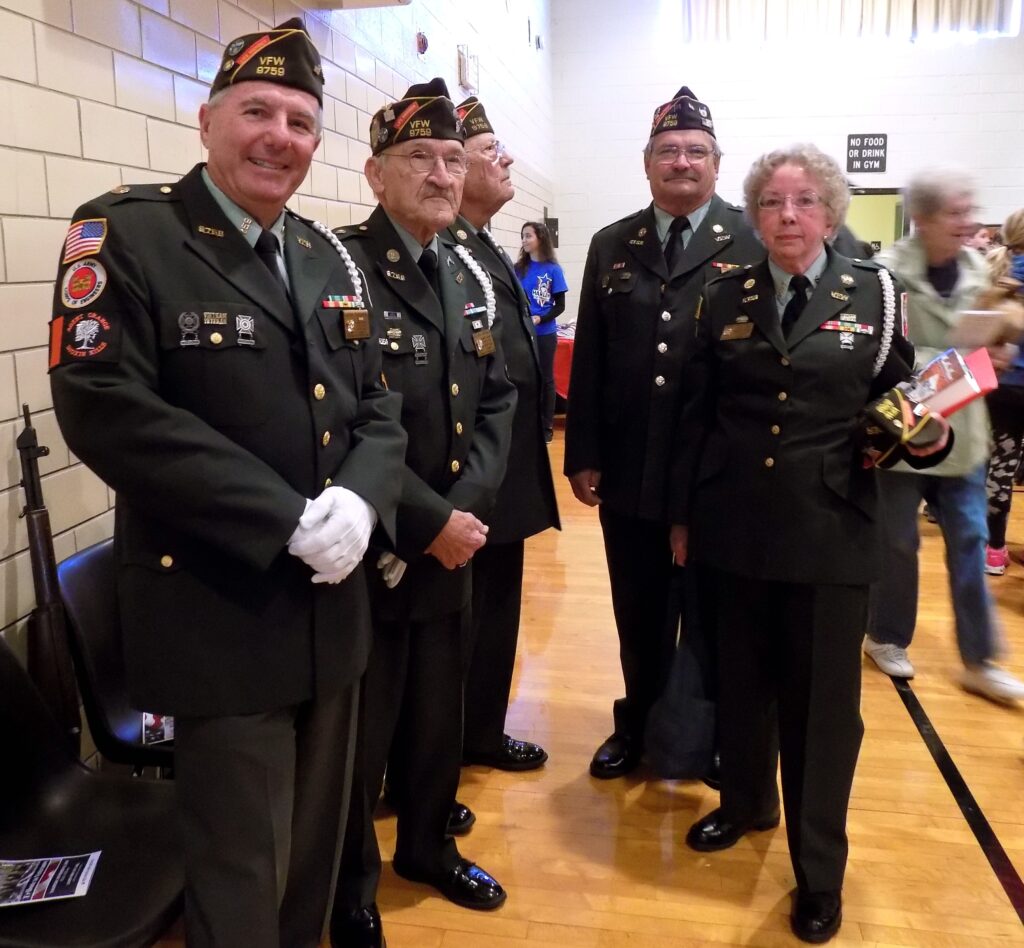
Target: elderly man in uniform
{"x": 643, "y": 277}
{"x": 200, "y": 367}
{"x": 435, "y": 310}
{"x": 526, "y": 502}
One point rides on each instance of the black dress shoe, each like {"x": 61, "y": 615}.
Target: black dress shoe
{"x": 465, "y": 884}
{"x": 616, "y": 757}
{"x": 714, "y": 833}
{"x": 359, "y": 929}
{"x": 713, "y": 778}
{"x": 816, "y": 916}
{"x": 512, "y": 755}
{"x": 460, "y": 819}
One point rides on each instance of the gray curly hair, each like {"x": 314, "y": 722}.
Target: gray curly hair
{"x": 834, "y": 191}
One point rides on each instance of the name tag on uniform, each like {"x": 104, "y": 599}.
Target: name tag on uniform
{"x": 356, "y": 324}
{"x": 736, "y": 331}
{"x": 483, "y": 342}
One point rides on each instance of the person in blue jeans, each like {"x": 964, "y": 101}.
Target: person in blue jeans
{"x": 942, "y": 277}
{"x": 544, "y": 282}
{"x": 1006, "y": 403}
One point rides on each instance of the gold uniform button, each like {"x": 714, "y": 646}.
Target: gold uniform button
{"x": 456, "y": 467}
{"x": 776, "y": 429}
{"x": 165, "y": 190}
{"x": 216, "y": 338}
{"x": 458, "y": 427}
{"x": 666, "y": 316}
{"x": 659, "y": 380}
{"x": 166, "y": 561}
{"x": 327, "y": 482}
{"x": 455, "y": 388}
{"x": 662, "y": 348}
{"x": 783, "y": 396}
{"x": 319, "y": 392}
{"x": 769, "y": 462}
{"x": 784, "y": 361}
{"x": 326, "y": 439}
{"x": 394, "y": 346}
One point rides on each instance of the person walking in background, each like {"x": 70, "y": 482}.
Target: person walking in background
{"x": 1006, "y": 403}
{"x": 942, "y": 277}
{"x": 544, "y": 282}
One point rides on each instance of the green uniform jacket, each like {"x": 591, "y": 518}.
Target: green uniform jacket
{"x": 457, "y": 408}
{"x": 633, "y": 334}
{"x": 526, "y": 501}
{"x": 184, "y": 378}
{"x": 770, "y": 474}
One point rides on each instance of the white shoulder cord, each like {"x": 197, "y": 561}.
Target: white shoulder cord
{"x": 888, "y": 320}
{"x": 353, "y": 270}
{"x": 473, "y": 265}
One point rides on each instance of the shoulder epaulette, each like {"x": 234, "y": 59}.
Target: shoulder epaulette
{"x": 139, "y": 192}
{"x": 866, "y": 264}
{"x": 621, "y": 220}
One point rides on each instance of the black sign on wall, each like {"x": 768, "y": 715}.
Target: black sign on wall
{"x": 866, "y": 153}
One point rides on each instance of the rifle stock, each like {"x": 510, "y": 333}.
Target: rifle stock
{"x": 49, "y": 658}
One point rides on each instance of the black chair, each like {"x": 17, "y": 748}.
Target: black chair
{"x": 88, "y": 588}
{"x": 53, "y": 805}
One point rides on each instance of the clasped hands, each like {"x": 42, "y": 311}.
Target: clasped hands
{"x": 333, "y": 534}
{"x": 454, "y": 546}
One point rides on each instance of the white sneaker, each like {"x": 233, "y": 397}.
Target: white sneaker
{"x": 990, "y": 681}
{"x": 890, "y": 658}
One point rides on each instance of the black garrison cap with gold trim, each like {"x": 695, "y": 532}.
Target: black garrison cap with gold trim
{"x": 473, "y": 116}
{"x": 683, "y": 112}
{"x": 285, "y": 55}
{"x": 425, "y": 111}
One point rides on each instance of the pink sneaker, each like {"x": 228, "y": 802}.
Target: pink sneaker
{"x": 996, "y": 560}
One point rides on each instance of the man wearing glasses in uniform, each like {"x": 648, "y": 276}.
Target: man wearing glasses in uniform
{"x": 641, "y": 284}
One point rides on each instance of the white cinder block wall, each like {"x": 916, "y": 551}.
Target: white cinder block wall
{"x": 615, "y": 63}
{"x": 96, "y": 93}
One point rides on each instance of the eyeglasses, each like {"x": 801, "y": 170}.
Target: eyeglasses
{"x": 669, "y": 154}
{"x": 495, "y": 151}
{"x": 804, "y": 201}
{"x": 423, "y": 162}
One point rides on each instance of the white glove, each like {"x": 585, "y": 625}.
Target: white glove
{"x": 392, "y": 569}
{"x": 333, "y": 533}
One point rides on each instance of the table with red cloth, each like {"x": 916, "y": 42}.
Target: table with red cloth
{"x": 563, "y": 366}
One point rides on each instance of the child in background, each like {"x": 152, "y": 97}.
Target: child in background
{"x": 544, "y": 282}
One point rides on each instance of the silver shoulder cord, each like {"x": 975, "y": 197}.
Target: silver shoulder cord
{"x": 888, "y": 320}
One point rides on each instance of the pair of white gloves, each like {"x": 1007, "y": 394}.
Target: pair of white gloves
{"x": 333, "y": 534}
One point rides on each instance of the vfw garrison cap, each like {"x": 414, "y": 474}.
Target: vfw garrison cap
{"x": 285, "y": 55}
{"x": 425, "y": 111}
{"x": 474, "y": 118}
{"x": 683, "y": 112}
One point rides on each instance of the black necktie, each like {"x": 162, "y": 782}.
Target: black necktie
{"x": 674, "y": 245}
{"x": 428, "y": 265}
{"x": 266, "y": 250}
{"x": 799, "y": 285}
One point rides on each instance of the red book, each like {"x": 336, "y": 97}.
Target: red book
{"x": 952, "y": 380}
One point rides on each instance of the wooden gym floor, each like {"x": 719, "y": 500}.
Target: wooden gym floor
{"x": 601, "y": 864}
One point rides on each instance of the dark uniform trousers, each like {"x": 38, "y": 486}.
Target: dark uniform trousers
{"x": 198, "y": 402}
{"x": 457, "y": 409}
{"x": 525, "y": 506}
{"x": 258, "y": 795}
{"x": 634, "y": 331}
{"x": 770, "y": 478}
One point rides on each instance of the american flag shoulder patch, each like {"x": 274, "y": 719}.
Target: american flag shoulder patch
{"x": 84, "y": 239}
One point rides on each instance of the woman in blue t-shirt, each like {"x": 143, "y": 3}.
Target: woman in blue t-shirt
{"x": 545, "y": 286}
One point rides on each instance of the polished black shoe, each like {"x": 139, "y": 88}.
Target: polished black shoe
{"x": 713, "y": 778}
{"x": 816, "y": 916}
{"x": 359, "y": 929}
{"x": 460, "y": 820}
{"x": 616, "y": 757}
{"x": 714, "y": 833}
{"x": 466, "y": 884}
{"x": 512, "y": 755}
